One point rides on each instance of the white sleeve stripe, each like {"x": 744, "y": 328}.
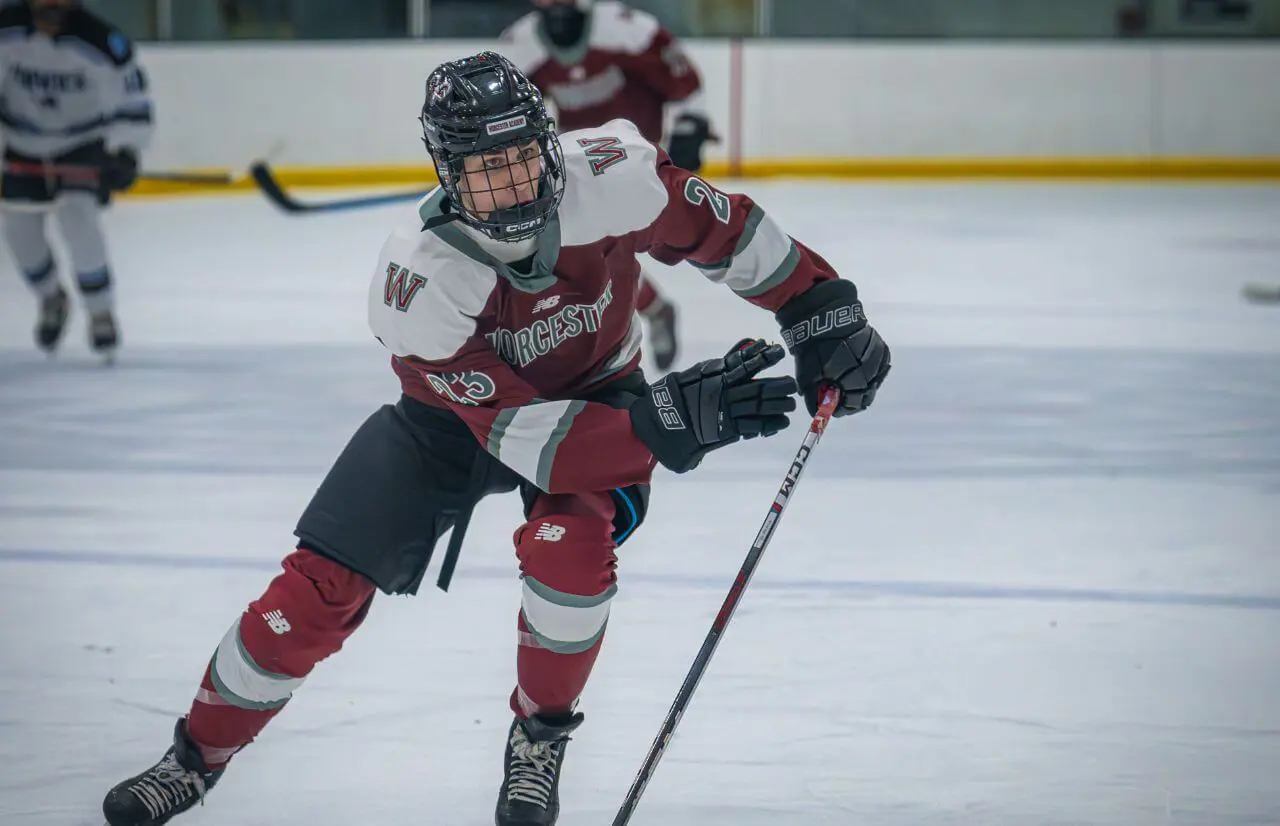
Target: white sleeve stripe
{"x": 779, "y": 273}
{"x": 717, "y": 270}
{"x": 764, "y": 257}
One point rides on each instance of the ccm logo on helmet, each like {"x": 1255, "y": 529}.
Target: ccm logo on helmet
{"x": 508, "y": 125}
{"x": 523, "y": 225}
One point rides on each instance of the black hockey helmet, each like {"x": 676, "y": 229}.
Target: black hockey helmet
{"x": 483, "y": 107}
{"x": 564, "y": 21}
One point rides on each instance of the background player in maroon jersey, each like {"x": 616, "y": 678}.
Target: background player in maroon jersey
{"x": 507, "y": 301}
{"x": 598, "y": 61}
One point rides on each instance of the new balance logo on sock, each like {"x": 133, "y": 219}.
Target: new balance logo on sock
{"x": 276, "y": 622}
{"x": 549, "y": 533}
{"x": 546, "y": 303}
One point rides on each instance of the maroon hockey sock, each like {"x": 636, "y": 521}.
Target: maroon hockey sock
{"x": 566, "y": 557}
{"x": 305, "y": 615}
{"x": 547, "y": 682}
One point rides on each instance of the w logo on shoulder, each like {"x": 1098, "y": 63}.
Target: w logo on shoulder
{"x": 402, "y": 285}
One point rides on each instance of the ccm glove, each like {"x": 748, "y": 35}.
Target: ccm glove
{"x": 827, "y": 332}
{"x": 688, "y": 414}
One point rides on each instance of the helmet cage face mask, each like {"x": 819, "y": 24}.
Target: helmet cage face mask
{"x": 509, "y": 191}
{"x": 494, "y": 146}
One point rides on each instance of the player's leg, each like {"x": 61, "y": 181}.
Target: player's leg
{"x": 568, "y": 567}
{"x": 25, "y": 198}
{"x": 660, "y": 314}
{"x": 305, "y": 614}
{"x": 79, "y": 216}
{"x": 371, "y": 524}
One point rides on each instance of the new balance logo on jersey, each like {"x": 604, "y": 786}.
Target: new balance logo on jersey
{"x": 549, "y": 533}
{"x": 546, "y": 303}
{"x": 276, "y": 622}
{"x": 401, "y": 287}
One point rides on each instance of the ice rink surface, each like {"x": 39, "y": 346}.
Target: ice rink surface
{"x": 1037, "y": 583}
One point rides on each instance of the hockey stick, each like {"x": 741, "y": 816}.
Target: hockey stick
{"x": 40, "y": 170}
{"x": 826, "y": 409}
{"x": 188, "y": 177}
{"x": 270, "y": 187}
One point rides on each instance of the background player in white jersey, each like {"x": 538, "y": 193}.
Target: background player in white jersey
{"x": 74, "y": 115}
{"x": 598, "y": 60}
{"x": 507, "y": 300}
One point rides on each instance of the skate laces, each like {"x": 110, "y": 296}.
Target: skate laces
{"x": 533, "y": 769}
{"x": 167, "y": 786}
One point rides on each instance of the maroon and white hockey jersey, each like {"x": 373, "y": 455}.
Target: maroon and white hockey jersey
{"x": 627, "y": 66}
{"x": 512, "y": 356}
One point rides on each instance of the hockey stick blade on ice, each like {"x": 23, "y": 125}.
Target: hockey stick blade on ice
{"x": 826, "y": 409}
{"x": 266, "y": 181}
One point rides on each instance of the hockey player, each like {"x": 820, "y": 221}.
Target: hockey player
{"x": 74, "y": 114}
{"x": 507, "y": 300}
{"x": 601, "y": 60}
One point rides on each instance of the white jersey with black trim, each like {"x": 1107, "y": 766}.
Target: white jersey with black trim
{"x": 81, "y": 85}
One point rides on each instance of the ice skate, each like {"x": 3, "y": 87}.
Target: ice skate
{"x": 179, "y": 781}
{"x": 662, "y": 334}
{"x": 52, "y": 320}
{"x": 530, "y": 794}
{"x": 104, "y": 338}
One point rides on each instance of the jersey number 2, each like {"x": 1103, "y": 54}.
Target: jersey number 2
{"x": 697, "y": 190}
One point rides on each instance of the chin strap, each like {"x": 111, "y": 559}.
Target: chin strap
{"x": 447, "y": 215}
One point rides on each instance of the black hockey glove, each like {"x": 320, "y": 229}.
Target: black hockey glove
{"x": 688, "y": 134}
{"x": 826, "y": 331}
{"x": 118, "y": 170}
{"x": 714, "y": 403}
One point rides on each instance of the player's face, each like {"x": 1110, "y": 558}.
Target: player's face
{"x": 501, "y": 180}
